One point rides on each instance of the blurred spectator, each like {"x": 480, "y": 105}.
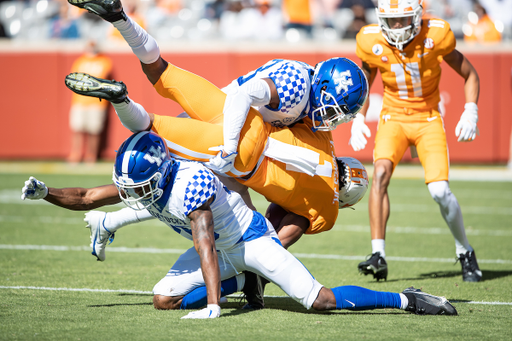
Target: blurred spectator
{"x": 366, "y": 4}
{"x": 297, "y": 14}
{"x": 480, "y": 28}
{"x": 87, "y": 114}
{"x": 358, "y": 22}
{"x": 65, "y": 24}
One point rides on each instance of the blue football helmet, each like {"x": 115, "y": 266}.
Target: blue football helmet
{"x": 339, "y": 90}
{"x": 141, "y": 169}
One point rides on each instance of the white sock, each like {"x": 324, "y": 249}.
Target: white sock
{"x": 404, "y": 301}
{"x": 116, "y": 220}
{"x": 240, "y": 281}
{"x": 143, "y": 45}
{"x": 379, "y": 245}
{"x": 132, "y": 115}
{"x": 450, "y": 210}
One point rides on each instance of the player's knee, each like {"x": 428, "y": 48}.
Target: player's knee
{"x": 325, "y": 300}
{"x": 381, "y": 174}
{"x": 439, "y": 191}
{"x": 166, "y": 302}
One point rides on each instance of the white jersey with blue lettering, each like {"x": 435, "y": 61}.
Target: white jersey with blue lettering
{"x": 293, "y": 83}
{"x": 191, "y": 186}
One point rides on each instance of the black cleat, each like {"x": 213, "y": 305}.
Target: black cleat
{"x": 253, "y": 291}
{"x": 470, "y": 270}
{"x": 87, "y": 85}
{"x": 422, "y": 303}
{"x": 109, "y": 10}
{"x": 375, "y": 265}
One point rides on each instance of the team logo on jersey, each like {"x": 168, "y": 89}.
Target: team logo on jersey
{"x": 384, "y": 59}
{"x": 377, "y": 49}
{"x": 342, "y": 81}
{"x": 429, "y": 43}
{"x": 154, "y": 155}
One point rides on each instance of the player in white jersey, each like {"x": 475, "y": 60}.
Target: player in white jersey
{"x": 284, "y": 91}
{"x": 228, "y": 237}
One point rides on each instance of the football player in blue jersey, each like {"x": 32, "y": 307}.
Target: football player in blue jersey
{"x": 228, "y": 238}
{"x": 284, "y": 91}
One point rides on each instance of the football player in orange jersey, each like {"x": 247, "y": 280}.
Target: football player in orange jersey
{"x": 408, "y": 51}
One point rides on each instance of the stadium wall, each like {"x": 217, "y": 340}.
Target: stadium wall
{"x": 35, "y": 102}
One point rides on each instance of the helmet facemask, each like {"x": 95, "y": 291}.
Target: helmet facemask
{"x": 330, "y": 113}
{"x": 399, "y": 26}
{"x": 140, "y": 195}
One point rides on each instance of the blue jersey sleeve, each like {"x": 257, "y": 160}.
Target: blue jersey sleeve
{"x": 199, "y": 190}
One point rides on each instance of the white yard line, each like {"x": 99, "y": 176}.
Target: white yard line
{"x": 123, "y": 291}
{"x": 180, "y": 251}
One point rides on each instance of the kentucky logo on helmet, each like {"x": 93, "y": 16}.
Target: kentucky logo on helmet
{"x": 342, "y": 81}
{"x": 154, "y": 155}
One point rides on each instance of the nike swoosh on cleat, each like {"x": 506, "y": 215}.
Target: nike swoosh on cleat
{"x": 353, "y": 304}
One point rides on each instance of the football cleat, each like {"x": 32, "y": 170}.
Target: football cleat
{"x": 375, "y": 265}
{"x": 87, "y": 85}
{"x": 253, "y": 291}
{"x": 109, "y": 10}
{"x": 470, "y": 270}
{"x": 99, "y": 234}
{"x": 422, "y": 303}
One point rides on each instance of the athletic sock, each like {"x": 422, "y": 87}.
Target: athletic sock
{"x": 197, "y": 297}
{"x": 143, "y": 45}
{"x": 379, "y": 245}
{"x": 132, "y": 115}
{"x": 357, "y": 298}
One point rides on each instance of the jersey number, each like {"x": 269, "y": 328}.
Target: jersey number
{"x": 414, "y": 71}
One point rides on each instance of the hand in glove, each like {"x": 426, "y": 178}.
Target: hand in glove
{"x": 358, "y": 131}
{"x": 466, "y": 129}
{"x": 219, "y": 163}
{"x": 34, "y": 189}
{"x": 210, "y": 312}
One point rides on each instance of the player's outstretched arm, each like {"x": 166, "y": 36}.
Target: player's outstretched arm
{"x": 76, "y": 199}
{"x": 201, "y": 223}
{"x": 359, "y": 129}
{"x": 466, "y": 129}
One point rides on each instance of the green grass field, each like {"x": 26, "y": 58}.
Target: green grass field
{"x": 44, "y": 255}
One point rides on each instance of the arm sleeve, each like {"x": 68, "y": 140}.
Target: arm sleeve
{"x": 239, "y": 99}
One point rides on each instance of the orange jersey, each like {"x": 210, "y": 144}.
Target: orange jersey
{"x": 97, "y": 66}
{"x": 411, "y": 77}
{"x": 313, "y": 197}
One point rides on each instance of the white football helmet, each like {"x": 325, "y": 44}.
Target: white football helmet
{"x": 399, "y": 20}
{"x": 353, "y": 181}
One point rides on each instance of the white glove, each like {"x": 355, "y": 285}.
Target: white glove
{"x": 34, "y": 189}
{"x": 466, "y": 129}
{"x": 358, "y": 131}
{"x": 221, "y": 164}
{"x": 210, "y": 312}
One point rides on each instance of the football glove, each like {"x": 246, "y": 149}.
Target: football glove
{"x": 34, "y": 189}
{"x": 466, "y": 129}
{"x": 220, "y": 164}
{"x": 358, "y": 131}
{"x": 210, "y": 312}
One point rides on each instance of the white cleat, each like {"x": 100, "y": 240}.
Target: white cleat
{"x": 99, "y": 234}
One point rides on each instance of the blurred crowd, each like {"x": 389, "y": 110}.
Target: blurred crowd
{"x": 482, "y": 21}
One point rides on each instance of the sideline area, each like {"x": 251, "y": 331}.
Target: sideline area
{"x": 402, "y": 171}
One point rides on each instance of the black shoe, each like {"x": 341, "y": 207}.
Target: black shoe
{"x": 253, "y": 290}
{"x": 470, "y": 270}
{"x": 109, "y": 10}
{"x": 375, "y": 265}
{"x": 87, "y": 85}
{"x": 422, "y": 303}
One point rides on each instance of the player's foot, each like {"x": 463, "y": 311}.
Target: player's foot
{"x": 375, "y": 265}
{"x": 253, "y": 290}
{"x": 109, "y": 10}
{"x": 99, "y": 234}
{"x": 87, "y": 85}
{"x": 470, "y": 270}
{"x": 422, "y": 303}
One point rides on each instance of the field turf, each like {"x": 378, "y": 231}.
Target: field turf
{"x": 52, "y": 288}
